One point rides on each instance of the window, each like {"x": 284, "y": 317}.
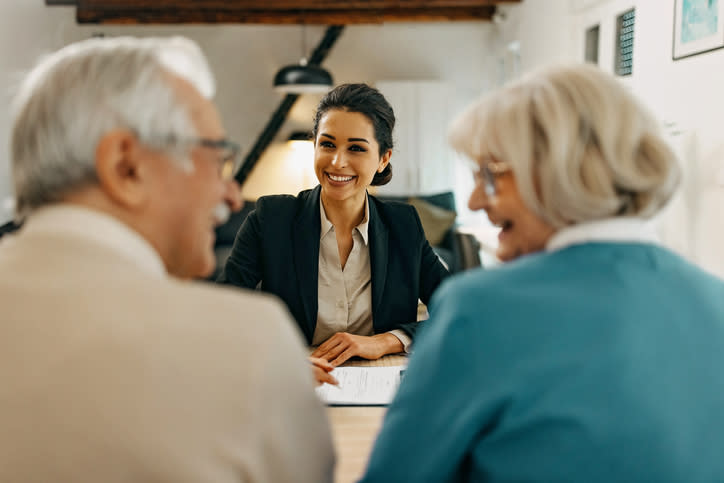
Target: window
{"x": 591, "y": 54}
{"x": 625, "y": 42}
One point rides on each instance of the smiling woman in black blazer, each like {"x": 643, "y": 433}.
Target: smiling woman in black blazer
{"x": 350, "y": 267}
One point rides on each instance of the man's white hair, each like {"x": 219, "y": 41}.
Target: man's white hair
{"x": 74, "y": 96}
{"x": 581, "y": 147}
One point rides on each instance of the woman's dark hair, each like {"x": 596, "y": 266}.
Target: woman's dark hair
{"x": 369, "y": 102}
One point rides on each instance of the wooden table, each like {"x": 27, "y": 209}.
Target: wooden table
{"x": 354, "y": 428}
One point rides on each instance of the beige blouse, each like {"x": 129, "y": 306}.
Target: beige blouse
{"x": 345, "y": 296}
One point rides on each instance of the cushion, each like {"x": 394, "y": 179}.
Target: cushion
{"x": 435, "y": 221}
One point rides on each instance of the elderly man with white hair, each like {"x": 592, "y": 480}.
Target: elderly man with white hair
{"x": 113, "y": 366}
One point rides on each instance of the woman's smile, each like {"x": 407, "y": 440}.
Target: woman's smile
{"x": 339, "y": 179}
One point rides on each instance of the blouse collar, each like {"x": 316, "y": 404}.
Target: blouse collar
{"x": 362, "y": 228}
{"x": 619, "y": 229}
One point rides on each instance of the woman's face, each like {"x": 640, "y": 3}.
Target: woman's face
{"x": 522, "y": 231}
{"x": 346, "y": 155}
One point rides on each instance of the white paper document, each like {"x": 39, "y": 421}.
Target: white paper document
{"x": 362, "y": 386}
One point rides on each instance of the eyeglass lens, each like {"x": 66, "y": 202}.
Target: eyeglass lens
{"x": 489, "y": 180}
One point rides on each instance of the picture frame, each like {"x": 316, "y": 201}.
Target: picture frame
{"x": 698, "y": 27}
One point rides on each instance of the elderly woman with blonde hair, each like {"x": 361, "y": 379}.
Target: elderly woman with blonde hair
{"x": 595, "y": 354}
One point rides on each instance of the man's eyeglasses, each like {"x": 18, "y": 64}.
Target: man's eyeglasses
{"x": 228, "y": 152}
{"x": 229, "y": 158}
{"x": 487, "y": 171}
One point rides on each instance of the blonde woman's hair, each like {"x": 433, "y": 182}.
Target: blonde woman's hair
{"x": 580, "y": 145}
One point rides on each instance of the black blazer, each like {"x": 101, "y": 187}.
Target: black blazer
{"x": 278, "y": 245}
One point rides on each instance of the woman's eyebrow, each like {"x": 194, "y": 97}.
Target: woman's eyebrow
{"x": 358, "y": 139}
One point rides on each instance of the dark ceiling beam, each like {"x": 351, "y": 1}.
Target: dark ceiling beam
{"x": 282, "y": 11}
{"x": 284, "y": 4}
{"x": 339, "y": 16}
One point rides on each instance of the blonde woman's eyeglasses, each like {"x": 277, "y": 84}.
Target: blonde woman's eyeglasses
{"x": 487, "y": 170}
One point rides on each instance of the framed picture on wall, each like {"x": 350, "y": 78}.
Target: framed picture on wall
{"x": 698, "y": 27}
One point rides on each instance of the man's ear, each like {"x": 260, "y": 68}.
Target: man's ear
{"x": 122, "y": 174}
{"x": 384, "y": 161}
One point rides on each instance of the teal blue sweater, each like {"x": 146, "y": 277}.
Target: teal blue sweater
{"x": 601, "y": 362}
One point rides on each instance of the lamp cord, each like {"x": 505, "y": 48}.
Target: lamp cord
{"x": 303, "y": 60}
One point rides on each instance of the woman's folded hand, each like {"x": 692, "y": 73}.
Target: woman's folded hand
{"x": 343, "y": 345}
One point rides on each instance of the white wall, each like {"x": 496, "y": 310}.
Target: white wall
{"x": 685, "y": 94}
{"x": 543, "y": 28}
{"x": 245, "y": 59}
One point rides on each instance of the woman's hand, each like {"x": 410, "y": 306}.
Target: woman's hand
{"x": 342, "y": 345}
{"x": 321, "y": 370}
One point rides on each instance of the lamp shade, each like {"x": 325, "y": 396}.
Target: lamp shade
{"x": 298, "y": 79}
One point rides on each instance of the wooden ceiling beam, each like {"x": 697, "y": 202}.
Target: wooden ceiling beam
{"x": 330, "y": 16}
{"x": 281, "y": 11}
{"x": 281, "y": 4}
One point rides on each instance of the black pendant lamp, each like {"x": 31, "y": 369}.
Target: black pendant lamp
{"x": 302, "y": 78}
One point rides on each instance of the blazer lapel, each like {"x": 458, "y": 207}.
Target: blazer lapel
{"x": 378, "y": 256}
{"x": 305, "y": 240}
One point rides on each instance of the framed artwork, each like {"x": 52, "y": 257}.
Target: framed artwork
{"x": 698, "y": 27}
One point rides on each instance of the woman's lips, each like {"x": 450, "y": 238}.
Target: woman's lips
{"x": 505, "y": 229}
{"x": 339, "y": 180}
